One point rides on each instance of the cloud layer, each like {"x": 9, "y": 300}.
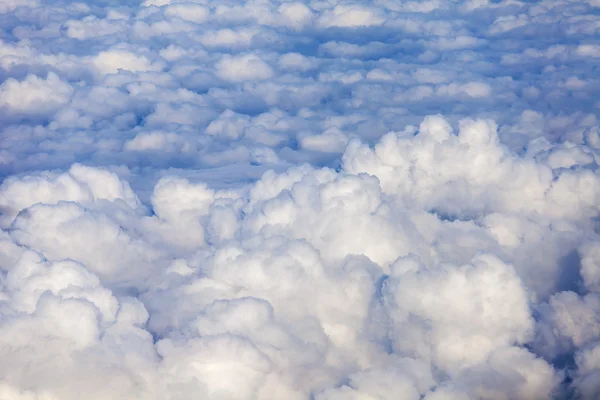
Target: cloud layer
{"x": 262, "y": 200}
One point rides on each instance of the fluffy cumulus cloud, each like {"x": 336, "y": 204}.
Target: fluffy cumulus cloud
{"x": 329, "y": 200}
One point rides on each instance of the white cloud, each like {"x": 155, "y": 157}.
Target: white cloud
{"x": 256, "y": 200}
{"x": 588, "y": 50}
{"x": 91, "y": 27}
{"x": 34, "y": 95}
{"x": 472, "y": 89}
{"x": 332, "y": 140}
{"x": 450, "y": 297}
{"x": 158, "y": 141}
{"x": 296, "y": 14}
{"x": 247, "y": 67}
{"x": 228, "y": 38}
{"x": 348, "y": 16}
{"x": 188, "y": 12}
{"x": 111, "y": 61}
{"x": 10, "y": 5}
{"x": 80, "y": 184}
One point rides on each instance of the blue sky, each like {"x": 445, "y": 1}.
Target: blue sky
{"x": 299, "y": 199}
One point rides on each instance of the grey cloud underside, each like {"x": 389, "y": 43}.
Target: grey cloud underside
{"x": 299, "y": 200}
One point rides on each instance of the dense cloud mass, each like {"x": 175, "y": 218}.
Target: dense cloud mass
{"x": 273, "y": 199}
